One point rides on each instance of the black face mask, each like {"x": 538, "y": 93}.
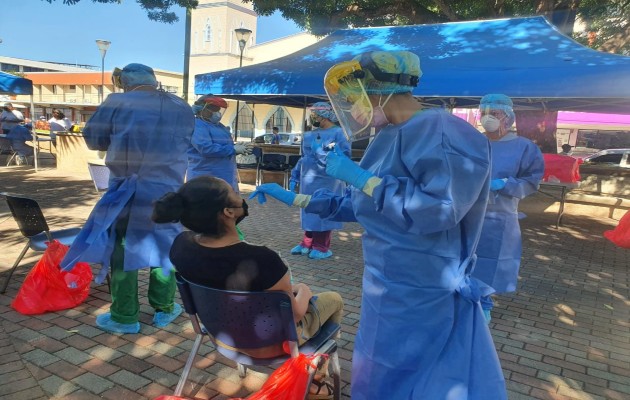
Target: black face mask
{"x": 315, "y": 123}
{"x": 245, "y": 208}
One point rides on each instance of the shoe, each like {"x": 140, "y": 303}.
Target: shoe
{"x": 20, "y": 160}
{"x": 318, "y": 255}
{"x": 301, "y": 250}
{"x": 161, "y": 319}
{"x": 320, "y": 394}
{"x": 486, "y": 314}
{"x": 104, "y": 321}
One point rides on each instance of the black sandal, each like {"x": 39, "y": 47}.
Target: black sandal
{"x": 321, "y": 396}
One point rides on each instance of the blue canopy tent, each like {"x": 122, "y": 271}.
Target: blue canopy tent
{"x": 525, "y": 58}
{"x": 12, "y": 84}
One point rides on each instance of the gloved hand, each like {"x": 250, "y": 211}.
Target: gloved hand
{"x": 339, "y": 166}
{"x": 243, "y": 148}
{"x": 292, "y": 185}
{"x": 497, "y": 184}
{"x": 274, "y": 190}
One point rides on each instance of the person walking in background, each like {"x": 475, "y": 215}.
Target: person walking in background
{"x": 517, "y": 168}
{"x": 10, "y": 117}
{"x": 146, "y": 133}
{"x": 310, "y": 174}
{"x": 275, "y": 136}
{"x": 420, "y": 192}
{"x": 566, "y": 150}
{"x": 212, "y": 151}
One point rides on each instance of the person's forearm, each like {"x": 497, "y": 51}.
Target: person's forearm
{"x": 301, "y": 300}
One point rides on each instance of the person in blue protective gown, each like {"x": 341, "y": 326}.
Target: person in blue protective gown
{"x": 18, "y": 136}
{"x": 517, "y": 168}
{"x": 310, "y": 174}
{"x": 212, "y": 151}
{"x": 420, "y": 192}
{"x": 146, "y": 133}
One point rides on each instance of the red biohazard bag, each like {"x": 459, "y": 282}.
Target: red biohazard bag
{"x": 559, "y": 168}
{"x": 47, "y": 288}
{"x": 621, "y": 234}
{"x": 289, "y": 382}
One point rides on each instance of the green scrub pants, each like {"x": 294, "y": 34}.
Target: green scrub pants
{"x": 124, "y": 284}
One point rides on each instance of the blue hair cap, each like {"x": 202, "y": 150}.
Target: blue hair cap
{"x": 324, "y": 110}
{"x": 137, "y": 74}
{"x": 497, "y": 101}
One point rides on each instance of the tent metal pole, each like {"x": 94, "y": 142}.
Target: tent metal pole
{"x": 35, "y": 146}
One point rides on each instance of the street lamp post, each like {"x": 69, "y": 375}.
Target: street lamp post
{"x": 242, "y": 35}
{"x": 103, "y": 45}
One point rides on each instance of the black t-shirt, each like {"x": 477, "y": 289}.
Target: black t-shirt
{"x": 241, "y": 266}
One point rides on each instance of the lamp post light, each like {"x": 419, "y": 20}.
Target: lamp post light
{"x": 242, "y": 35}
{"x": 103, "y": 45}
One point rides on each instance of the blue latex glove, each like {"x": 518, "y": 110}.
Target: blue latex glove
{"x": 292, "y": 185}
{"x": 274, "y": 190}
{"x": 339, "y": 166}
{"x": 497, "y": 184}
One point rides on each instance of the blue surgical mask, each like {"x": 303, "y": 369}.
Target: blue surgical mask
{"x": 215, "y": 117}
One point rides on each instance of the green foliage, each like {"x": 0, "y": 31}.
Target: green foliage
{"x": 157, "y": 10}
{"x": 606, "y": 20}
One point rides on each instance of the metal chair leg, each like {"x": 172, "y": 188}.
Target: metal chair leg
{"x": 17, "y": 262}
{"x": 336, "y": 373}
{"x": 191, "y": 358}
{"x": 11, "y": 158}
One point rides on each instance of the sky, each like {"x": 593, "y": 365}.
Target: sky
{"x": 57, "y": 32}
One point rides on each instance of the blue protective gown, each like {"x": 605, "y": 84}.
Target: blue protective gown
{"x": 422, "y": 333}
{"x": 499, "y": 251}
{"x": 311, "y": 173}
{"x": 146, "y": 135}
{"x": 212, "y": 153}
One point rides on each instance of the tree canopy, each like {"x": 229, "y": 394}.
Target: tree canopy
{"x": 605, "y": 21}
{"x": 157, "y": 10}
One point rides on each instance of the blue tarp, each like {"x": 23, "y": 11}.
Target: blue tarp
{"x": 525, "y": 58}
{"x": 11, "y": 84}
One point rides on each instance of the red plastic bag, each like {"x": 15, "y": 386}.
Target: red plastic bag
{"x": 621, "y": 234}
{"x": 47, "y": 288}
{"x": 560, "y": 168}
{"x": 287, "y": 382}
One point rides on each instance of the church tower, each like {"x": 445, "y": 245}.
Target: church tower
{"x": 213, "y": 44}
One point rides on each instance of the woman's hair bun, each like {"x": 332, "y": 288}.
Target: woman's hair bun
{"x": 168, "y": 209}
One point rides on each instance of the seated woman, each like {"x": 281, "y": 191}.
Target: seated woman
{"x": 211, "y": 254}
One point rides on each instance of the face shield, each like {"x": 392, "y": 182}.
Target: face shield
{"x": 348, "y": 97}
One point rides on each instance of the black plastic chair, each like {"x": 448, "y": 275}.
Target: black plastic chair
{"x": 273, "y": 164}
{"x": 100, "y": 176}
{"x": 34, "y": 227}
{"x": 257, "y": 153}
{"x": 250, "y": 320}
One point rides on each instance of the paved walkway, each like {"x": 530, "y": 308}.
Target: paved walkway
{"x": 564, "y": 335}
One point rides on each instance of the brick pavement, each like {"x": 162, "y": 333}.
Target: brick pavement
{"x": 564, "y": 335}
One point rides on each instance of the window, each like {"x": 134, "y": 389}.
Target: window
{"x": 607, "y": 159}
{"x": 245, "y": 122}
{"x": 280, "y": 118}
{"x": 602, "y": 140}
{"x": 170, "y": 89}
{"x": 207, "y": 31}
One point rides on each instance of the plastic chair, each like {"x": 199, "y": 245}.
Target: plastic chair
{"x": 33, "y": 226}
{"x": 250, "y": 320}
{"x": 100, "y": 176}
{"x": 257, "y": 152}
{"x": 273, "y": 164}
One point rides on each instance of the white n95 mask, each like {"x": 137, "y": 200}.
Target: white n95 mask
{"x": 490, "y": 123}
